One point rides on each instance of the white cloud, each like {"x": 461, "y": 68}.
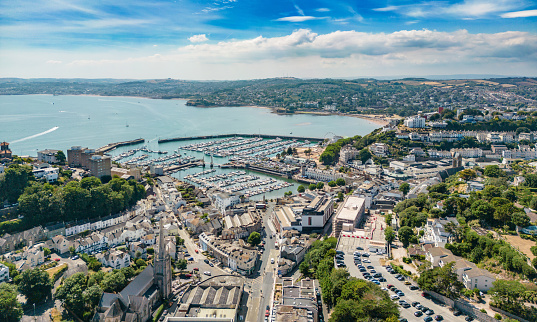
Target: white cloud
{"x": 464, "y": 9}
{"x": 520, "y": 14}
{"x": 300, "y": 11}
{"x": 303, "y": 53}
{"x": 297, "y": 18}
{"x": 198, "y": 38}
{"x": 54, "y": 61}
{"x": 322, "y": 10}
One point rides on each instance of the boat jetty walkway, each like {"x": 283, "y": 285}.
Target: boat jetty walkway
{"x": 111, "y": 146}
{"x": 216, "y": 136}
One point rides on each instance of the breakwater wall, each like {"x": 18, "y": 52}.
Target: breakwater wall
{"x": 265, "y": 136}
{"x": 111, "y": 146}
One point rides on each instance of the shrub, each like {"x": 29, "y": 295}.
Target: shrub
{"x": 497, "y": 316}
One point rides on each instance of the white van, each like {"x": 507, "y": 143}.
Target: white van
{"x": 272, "y": 260}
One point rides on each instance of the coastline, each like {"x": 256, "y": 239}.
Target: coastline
{"x": 369, "y": 117}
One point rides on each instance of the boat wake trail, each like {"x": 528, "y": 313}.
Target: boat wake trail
{"x": 36, "y": 135}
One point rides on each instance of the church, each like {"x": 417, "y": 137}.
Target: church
{"x": 135, "y": 302}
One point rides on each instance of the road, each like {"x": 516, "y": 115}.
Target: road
{"x": 348, "y": 246}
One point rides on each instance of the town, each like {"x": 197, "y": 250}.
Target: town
{"x": 431, "y": 216}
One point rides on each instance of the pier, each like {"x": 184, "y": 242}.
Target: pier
{"x": 175, "y": 168}
{"x": 264, "y": 136}
{"x": 111, "y": 146}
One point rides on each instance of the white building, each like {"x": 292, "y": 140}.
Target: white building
{"x": 468, "y": 153}
{"x": 379, "y": 149}
{"x": 321, "y": 175}
{"x": 349, "y": 214}
{"x": 318, "y": 212}
{"x": 347, "y": 153}
{"x": 48, "y": 174}
{"x": 48, "y": 156}
{"x": 115, "y": 259}
{"x": 477, "y": 278}
{"x": 4, "y": 273}
{"x": 415, "y": 122}
{"x": 225, "y": 200}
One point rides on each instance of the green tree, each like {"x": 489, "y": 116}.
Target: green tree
{"x": 320, "y": 185}
{"x": 388, "y": 219}
{"x": 443, "y": 280}
{"x": 340, "y": 181}
{"x": 15, "y": 179}
{"x": 128, "y": 272}
{"x": 140, "y": 262}
{"x": 332, "y": 183}
{"x": 404, "y": 188}
{"x": 312, "y": 186}
{"x": 506, "y": 292}
{"x": 345, "y": 311}
{"x": 35, "y": 284}
{"x": 405, "y": 234}
{"x": 254, "y": 239}
{"x": 520, "y": 219}
{"x": 181, "y": 264}
{"x": 92, "y": 295}
{"x": 60, "y": 157}
{"x": 113, "y": 282}
{"x": 389, "y": 235}
{"x": 493, "y": 171}
{"x": 467, "y": 174}
{"x": 304, "y": 268}
{"x": 438, "y": 188}
{"x": 301, "y": 189}
{"x": 364, "y": 155}
{"x": 71, "y": 293}
{"x": 10, "y": 308}
{"x": 46, "y": 251}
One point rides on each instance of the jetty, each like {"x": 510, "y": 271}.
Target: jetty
{"x": 264, "y": 136}
{"x": 111, "y": 146}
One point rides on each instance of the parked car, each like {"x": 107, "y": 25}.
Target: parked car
{"x": 207, "y": 273}
{"x": 418, "y": 313}
{"x": 438, "y": 318}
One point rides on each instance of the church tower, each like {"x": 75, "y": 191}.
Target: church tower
{"x": 163, "y": 267}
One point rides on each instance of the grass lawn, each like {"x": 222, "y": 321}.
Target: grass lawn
{"x": 523, "y": 245}
{"x": 52, "y": 271}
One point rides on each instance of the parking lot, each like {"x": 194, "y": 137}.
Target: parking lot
{"x": 349, "y": 244}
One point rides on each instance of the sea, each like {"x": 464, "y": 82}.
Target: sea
{"x": 36, "y": 122}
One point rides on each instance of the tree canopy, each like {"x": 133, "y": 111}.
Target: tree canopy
{"x": 35, "y": 284}
{"x": 10, "y": 308}
{"x": 254, "y": 239}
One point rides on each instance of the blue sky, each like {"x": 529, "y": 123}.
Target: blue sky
{"x": 239, "y": 39}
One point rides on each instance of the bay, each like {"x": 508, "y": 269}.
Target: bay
{"x": 36, "y": 122}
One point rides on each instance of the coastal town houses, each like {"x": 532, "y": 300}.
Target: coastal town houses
{"x": 138, "y": 299}
{"x": 27, "y": 258}
{"x": 58, "y": 244}
{"x": 116, "y": 259}
{"x": 241, "y": 224}
{"x": 436, "y": 233}
{"x": 28, "y": 237}
{"x": 233, "y": 255}
{"x": 94, "y": 242}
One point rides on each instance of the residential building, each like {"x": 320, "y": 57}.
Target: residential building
{"x": 436, "y": 233}
{"x": 48, "y": 174}
{"x": 478, "y": 278}
{"x": 526, "y": 136}
{"x": 48, "y": 156}
{"x": 28, "y": 237}
{"x": 231, "y": 255}
{"x": 435, "y": 254}
{"x": 127, "y": 173}
{"x": 415, "y": 122}
{"x": 321, "y": 175}
{"x": 379, "y": 149}
{"x": 241, "y": 225}
{"x": 4, "y": 273}
{"x": 55, "y": 230}
{"x": 347, "y": 153}
{"x": 58, "y": 244}
{"x": 224, "y": 200}
{"x": 100, "y": 166}
{"x": 349, "y": 214}
{"x": 116, "y": 259}
{"x": 468, "y": 153}
{"x": 138, "y": 299}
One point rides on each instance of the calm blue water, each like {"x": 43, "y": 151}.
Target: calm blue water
{"x": 29, "y": 122}
{"x": 36, "y": 122}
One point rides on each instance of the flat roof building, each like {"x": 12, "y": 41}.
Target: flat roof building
{"x": 349, "y": 215}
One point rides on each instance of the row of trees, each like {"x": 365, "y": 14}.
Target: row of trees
{"x": 42, "y": 203}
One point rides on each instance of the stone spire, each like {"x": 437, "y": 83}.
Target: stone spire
{"x": 161, "y": 244}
